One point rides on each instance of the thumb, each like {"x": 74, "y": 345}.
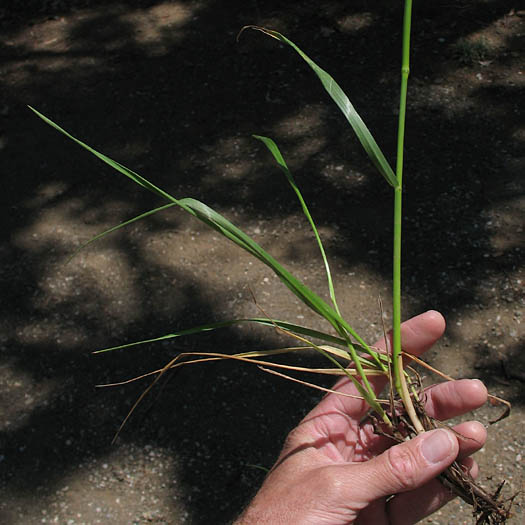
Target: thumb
{"x": 408, "y": 465}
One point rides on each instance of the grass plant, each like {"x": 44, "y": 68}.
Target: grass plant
{"x": 345, "y": 351}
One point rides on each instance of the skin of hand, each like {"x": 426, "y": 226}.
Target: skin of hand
{"x": 334, "y": 470}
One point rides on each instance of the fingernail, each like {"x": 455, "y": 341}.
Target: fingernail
{"x": 480, "y": 383}
{"x": 437, "y": 445}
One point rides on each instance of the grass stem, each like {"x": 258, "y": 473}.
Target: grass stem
{"x": 397, "y": 358}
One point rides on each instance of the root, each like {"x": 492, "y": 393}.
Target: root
{"x": 488, "y": 509}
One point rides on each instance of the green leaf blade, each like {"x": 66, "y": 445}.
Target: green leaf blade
{"x": 274, "y": 150}
{"x": 216, "y": 221}
{"x": 343, "y": 103}
{"x": 290, "y": 327}
{"x": 135, "y": 177}
{"x": 119, "y": 226}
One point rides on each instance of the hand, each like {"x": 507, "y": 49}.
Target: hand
{"x": 334, "y": 470}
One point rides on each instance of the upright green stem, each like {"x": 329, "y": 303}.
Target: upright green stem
{"x": 397, "y": 359}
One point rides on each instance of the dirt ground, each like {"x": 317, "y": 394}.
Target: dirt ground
{"x": 164, "y": 88}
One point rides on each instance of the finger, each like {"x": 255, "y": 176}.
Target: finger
{"x": 411, "y": 507}
{"x": 418, "y": 334}
{"x": 442, "y": 401}
{"x": 471, "y": 436}
{"x": 430, "y": 498}
{"x": 471, "y": 466}
{"x": 454, "y": 398}
{"x": 375, "y": 513}
{"x": 404, "y": 467}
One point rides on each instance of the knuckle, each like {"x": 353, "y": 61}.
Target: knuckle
{"x": 294, "y": 440}
{"x": 403, "y": 467}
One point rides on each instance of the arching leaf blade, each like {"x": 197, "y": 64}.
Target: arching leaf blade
{"x": 118, "y": 227}
{"x": 274, "y": 150}
{"x": 235, "y": 234}
{"x": 291, "y": 327}
{"x": 343, "y": 103}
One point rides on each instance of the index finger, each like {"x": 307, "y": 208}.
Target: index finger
{"x": 418, "y": 334}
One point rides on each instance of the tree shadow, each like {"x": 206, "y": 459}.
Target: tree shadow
{"x": 176, "y": 98}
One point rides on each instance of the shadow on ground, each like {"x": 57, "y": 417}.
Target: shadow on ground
{"x": 165, "y": 89}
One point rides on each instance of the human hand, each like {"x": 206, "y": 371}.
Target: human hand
{"x": 334, "y": 470}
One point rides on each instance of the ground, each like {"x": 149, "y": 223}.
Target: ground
{"x": 164, "y": 88}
